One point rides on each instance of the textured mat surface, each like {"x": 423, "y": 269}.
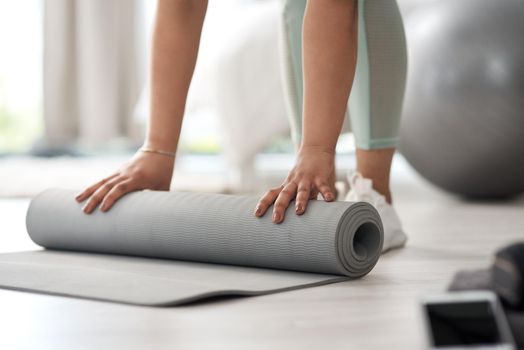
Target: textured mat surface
{"x": 166, "y": 248}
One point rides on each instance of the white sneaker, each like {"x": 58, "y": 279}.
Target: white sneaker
{"x": 361, "y": 190}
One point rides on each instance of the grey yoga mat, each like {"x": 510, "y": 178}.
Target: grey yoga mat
{"x": 169, "y": 248}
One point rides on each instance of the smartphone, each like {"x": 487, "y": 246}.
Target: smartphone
{"x": 466, "y": 320}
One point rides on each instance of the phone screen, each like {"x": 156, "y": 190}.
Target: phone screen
{"x": 465, "y": 323}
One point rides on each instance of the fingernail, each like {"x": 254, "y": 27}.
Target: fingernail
{"x": 85, "y": 209}
{"x": 299, "y": 208}
{"x": 276, "y": 217}
{"x": 258, "y": 210}
{"x": 104, "y": 207}
{"x": 329, "y": 197}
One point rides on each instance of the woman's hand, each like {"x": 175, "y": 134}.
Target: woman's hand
{"x": 144, "y": 171}
{"x": 313, "y": 173}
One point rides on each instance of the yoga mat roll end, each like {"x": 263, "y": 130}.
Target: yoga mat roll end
{"x": 359, "y": 239}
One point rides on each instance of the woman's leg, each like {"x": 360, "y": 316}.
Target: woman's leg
{"x": 291, "y": 50}
{"x": 378, "y": 90}
{"x": 375, "y": 101}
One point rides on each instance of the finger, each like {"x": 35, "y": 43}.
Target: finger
{"x": 92, "y": 189}
{"x": 326, "y": 191}
{"x": 285, "y": 196}
{"x": 99, "y": 195}
{"x": 267, "y": 200}
{"x": 116, "y": 193}
{"x": 303, "y": 195}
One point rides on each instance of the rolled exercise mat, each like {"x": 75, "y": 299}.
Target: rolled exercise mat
{"x": 168, "y": 248}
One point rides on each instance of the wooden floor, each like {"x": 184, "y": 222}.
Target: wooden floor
{"x": 377, "y": 312}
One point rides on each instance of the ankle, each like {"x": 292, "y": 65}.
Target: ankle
{"x": 385, "y": 191}
{"x": 381, "y": 185}
{"x": 376, "y": 165}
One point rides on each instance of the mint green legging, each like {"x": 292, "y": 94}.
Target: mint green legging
{"x": 375, "y": 101}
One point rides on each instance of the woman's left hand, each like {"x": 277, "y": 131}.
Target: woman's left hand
{"x": 313, "y": 173}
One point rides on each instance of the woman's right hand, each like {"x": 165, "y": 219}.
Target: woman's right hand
{"x": 144, "y": 171}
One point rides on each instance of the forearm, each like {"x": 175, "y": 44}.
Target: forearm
{"x": 176, "y": 38}
{"x": 329, "y": 59}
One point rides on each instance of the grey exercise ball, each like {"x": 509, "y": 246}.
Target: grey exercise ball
{"x": 463, "y": 120}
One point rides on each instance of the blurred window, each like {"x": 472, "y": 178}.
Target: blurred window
{"x": 20, "y": 74}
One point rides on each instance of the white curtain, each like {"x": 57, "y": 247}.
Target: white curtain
{"x": 94, "y": 53}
